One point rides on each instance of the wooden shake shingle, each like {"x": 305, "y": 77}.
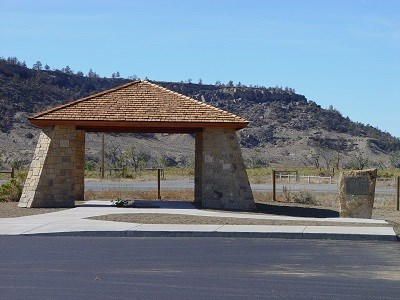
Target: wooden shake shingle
{"x": 139, "y": 106}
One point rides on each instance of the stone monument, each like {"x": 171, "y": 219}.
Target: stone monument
{"x": 356, "y": 193}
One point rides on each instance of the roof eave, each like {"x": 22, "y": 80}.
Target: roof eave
{"x": 138, "y": 126}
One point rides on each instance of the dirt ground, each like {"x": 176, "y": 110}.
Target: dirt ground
{"x": 11, "y": 210}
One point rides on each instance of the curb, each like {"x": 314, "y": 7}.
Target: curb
{"x": 277, "y": 235}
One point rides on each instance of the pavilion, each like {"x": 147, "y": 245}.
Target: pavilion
{"x": 56, "y": 174}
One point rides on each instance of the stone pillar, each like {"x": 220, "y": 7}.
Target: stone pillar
{"x": 79, "y": 145}
{"x": 356, "y": 193}
{"x": 198, "y": 168}
{"x": 221, "y": 180}
{"x": 55, "y": 177}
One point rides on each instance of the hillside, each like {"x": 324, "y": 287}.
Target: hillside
{"x": 285, "y": 128}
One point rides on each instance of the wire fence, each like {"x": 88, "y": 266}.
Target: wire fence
{"x": 305, "y": 178}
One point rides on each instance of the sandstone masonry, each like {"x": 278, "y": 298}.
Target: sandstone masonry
{"x": 56, "y": 175}
{"x": 221, "y": 180}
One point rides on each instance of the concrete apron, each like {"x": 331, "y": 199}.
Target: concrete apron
{"x": 74, "y": 222}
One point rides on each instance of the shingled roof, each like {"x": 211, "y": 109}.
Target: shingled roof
{"x": 138, "y": 106}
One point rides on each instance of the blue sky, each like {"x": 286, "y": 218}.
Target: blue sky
{"x": 344, "y": 53}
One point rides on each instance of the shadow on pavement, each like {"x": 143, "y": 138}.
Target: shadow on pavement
{"x": 141, "y": 204}
{"x": 283, "y": 210}
{"x": 91, "y": 205}
{"x": 297, "y": 211}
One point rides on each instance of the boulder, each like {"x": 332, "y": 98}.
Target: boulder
{"x": 357, "y": 193}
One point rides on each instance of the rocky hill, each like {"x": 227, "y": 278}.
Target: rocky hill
{"x": 285, "y": 128}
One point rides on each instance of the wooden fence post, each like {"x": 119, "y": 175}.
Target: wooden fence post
{"x": 273, "y": 185}
{"x": 158, "y": 183}
{"x": 398, "y": 192}
{"x": 102, "y": 170}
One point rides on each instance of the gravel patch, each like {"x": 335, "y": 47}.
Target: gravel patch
{"x": 154, "y": 218}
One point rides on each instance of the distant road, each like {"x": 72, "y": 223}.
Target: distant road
{"x": 186, "y": 184}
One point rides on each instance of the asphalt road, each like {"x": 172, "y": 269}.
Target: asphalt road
{"x": 34, "y": 267}
{"x": 186, "y": 184}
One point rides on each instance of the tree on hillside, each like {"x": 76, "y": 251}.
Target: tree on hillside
{"x": 168, "y": 161}
{"x": 359, "y": 162}
{"x": 137, "y": 158}
{"x": 67, "y": 70}
{"x": 115, "y": 75}
{"x": 328, "y": 158}
{"x": 37, "y": 66}
{"x": 114, "y": 156}
{"x": 133, "y": 77}
{"x": 320, "y": 158}
{"x": 13, "y": 60}
{"x": 47, "y": 67}
{"x": 315, "y": 159}
{"x": 395, "y": 159}
{"x": 256, "y": 161}
{"x": 92, "y": 74}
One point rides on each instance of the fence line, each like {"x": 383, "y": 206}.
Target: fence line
{"x": 298, "y": 178}
{"x": 319, "y": 179}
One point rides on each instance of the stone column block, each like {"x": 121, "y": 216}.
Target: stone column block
{"x": 221, "y": 180}
{"x": 198, "y": 168}
{"x": 55, "y": 177}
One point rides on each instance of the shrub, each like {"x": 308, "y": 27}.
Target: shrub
{"x": 90, "y": 166}
{"x": 305, "y": 197}
{"x": 119, "y": 202}
{"x": 11, "y": 191}
{"x": 301, "y": 197}
{"x": 286, "y": 194}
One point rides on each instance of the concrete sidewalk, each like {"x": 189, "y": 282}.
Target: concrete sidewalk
{"x": 74, "y": 222}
